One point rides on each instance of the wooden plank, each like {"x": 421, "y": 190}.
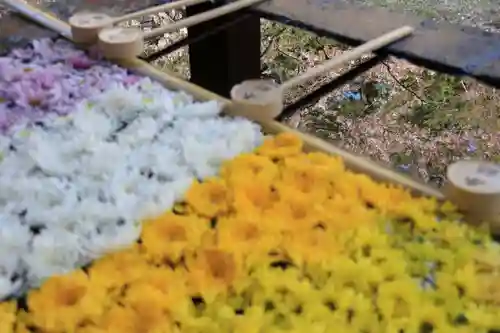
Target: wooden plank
{"x": 353, "y": 162}
{"x": 63, "y": 9}
{"x": 225, "y": 58}
{"x": 16, "y": 31}
{"x": 443, "y": 47}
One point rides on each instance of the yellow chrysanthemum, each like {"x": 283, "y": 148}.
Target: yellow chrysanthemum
{"x": 306, "y": 179}
{"x": 253, "y": 198}
{"x": 169, "y": 236}
{"x": 211, "y": 271}
{"x": 249, "y": 168}
{"x": 283, "y": 241}
{"x": 65, "y": 302}
{"x": 116, "y": 270}
{"x": 144, "y": 317}
{"x": 310, "y": 247}
{"x": 247, "y": 238}
{"x": 7, "y": 316}
{"x": 282, "y": 145}
{"x": 209, "y": 198}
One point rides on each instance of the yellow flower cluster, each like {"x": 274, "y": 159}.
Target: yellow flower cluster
{"x": 282, "y": 241}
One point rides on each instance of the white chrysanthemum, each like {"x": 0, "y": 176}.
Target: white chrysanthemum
{"x": 140, "y": 131}
{"x": 88, "y": 121}
{"x": 77, "y": 187}
{"x": 53, "y": 251}
{"x": 109, "y": 237}
{"x": 14, "y": 236}
{"x": 9, "y": 287}
{"x": 118, "y": 104}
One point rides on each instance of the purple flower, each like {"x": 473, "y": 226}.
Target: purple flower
{"x": 471, "y": 147}
{"x": 52, "y": 76}
{"x": 45, "y": 79}
{"x": 23, "y": 54}
{"x": 4, "y": 116}
{"x": 9, "y": 71}
{"x": 404, "y": 167}
{"x": 29, "y": 94}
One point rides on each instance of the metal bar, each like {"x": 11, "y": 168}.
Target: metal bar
{"x": 194, "y": 39}
{"x": 443, "y": 47}
{"x": 227, "y": 57}
{"x": 314, "y": 96}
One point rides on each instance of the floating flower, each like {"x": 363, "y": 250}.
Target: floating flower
{"x": 281, "y": 241}
{"x": 8, "y": 312}
{"x": 169, "y": 236}
{"x": 254, "y": 198}
{"x": 286, "y": 144}
{"x": 50, "y": 77}
{"x": 211, "y": 271}
{"x": 249, "y": 168}
{"x": 311, "y": 247}
{"x": 246, "y": 238}
{"x": 209, "y": 198}
{"x": 65, "y": 302}
{"x": 118, "y": 269}
{"x": 77, "y": 187}
{"x": 145, "y": 317}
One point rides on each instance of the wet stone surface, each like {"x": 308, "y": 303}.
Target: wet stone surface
{"x": 16, "y": 31}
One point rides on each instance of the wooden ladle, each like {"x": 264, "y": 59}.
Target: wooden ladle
{"x": 85, "y": 26}
{"x": 119, "y": 43}
{"x": 474, "y": 187}
{"x": 263, "y": 99}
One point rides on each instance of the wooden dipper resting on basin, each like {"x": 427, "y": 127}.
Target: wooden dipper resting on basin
{"x": 474, "y": 187}
{"x": 122, "y": 43}
{"x": 85, "y": 26}
{"x": 263, "y": 99}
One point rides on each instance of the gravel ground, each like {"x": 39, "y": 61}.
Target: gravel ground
{"x": 383, "y": 134}
{"x": 478, "y": 13}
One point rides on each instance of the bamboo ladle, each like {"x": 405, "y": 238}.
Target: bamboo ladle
{"x": 474, "y": 187}
{"x": 120, "y": 43}
{"x": 263, "y": 99}
{"x": 85, "y": 26}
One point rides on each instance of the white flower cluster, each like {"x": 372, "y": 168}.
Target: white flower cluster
{"x": 73, "y": 188}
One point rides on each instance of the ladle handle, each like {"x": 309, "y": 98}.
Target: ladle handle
{"x": 200, "y": 18}
{"x": 157, "y": 9}
{"x": 369, "y": 46}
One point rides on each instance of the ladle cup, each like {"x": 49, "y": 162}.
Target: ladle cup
{"x": 474, "y": 187}
{"x": 85, "y": 26}
{"x": 263, "y": 99}
{"x": 123, "y": 43}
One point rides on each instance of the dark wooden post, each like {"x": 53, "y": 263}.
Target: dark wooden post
{"x": 228, "y": 57}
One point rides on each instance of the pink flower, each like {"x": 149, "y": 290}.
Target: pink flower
{"x": 43, "y": 78}
{"x": 80, "y": 62}
{"x": 131, "y": 79}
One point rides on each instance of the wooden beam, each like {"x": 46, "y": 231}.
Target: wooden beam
{"x": 16, "y": 31}
{"x": 443, "y": 47}
{"x": 226, "y": 58}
